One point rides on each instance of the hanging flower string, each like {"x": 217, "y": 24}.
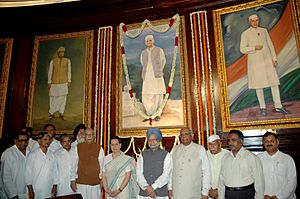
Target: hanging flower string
{"x": 174, "y": 21}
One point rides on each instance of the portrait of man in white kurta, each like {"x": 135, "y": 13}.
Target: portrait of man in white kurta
{"x": 59, "y": 79}
{"x": 153, "y": 60}
{"x": 261, "y": 64}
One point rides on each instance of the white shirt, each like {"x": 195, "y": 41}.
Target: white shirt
{"x": 55, "y": 145}
{"x": 13, "y": 171}
{"x": 74, "y": 166}
{"x": 160, "y": 181}
{"x": 41, "y": 172}
{"x": 191, "y": 171}
{"x": 280, "y": 174}
{"x": 63, "y": 163}
{"x": 32, "y": 145}
{"x": 215, "y": 161}
{"x": 242, "y": 170}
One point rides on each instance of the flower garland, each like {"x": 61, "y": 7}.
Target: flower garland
{"x": 174, "y": 21}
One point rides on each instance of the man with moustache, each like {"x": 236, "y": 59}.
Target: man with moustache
{"x": 191, "y": 169}
{"x": 241, "y": 175}
{"x": 54, "y": 143}
{"x": 279, "y": 170}
{"x": 86, "y": 170}
{"x": 41, "y": 172}
{"x": 63, "y": 163}
{"x": 13, "y": 162}
{"x": 215, "y": 154}
{"x": 154, "y": 168}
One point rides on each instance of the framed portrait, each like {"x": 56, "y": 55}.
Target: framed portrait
{"x": 5, "y": 57}
{"x": 152, "y": 85}
{"x": 61, "y": 81}
{"x": 257, "y": 45}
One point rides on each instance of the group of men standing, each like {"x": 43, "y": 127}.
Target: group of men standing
{"x": 187, "y": 172}
{"x": 191, "y": 172}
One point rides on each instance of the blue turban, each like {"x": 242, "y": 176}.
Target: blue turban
{"x": 156, "y": 132}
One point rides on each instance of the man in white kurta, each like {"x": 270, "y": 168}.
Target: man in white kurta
{"x": 87, "y": 166}
{"x": 262, "y": 63}
{"x": 153, "y": 61}
{"x": 63, "y": 163}
{"x": 191, "y": 169}
{"x": 154, "y": 168}
{"x": 279, "y": 170}
{"x": 13, "y": 162}
{"x": 215, "y": 154}
{"x": 59, "y": 79}
{"x": 41, "y": 172}
{"x": 241, "y": 173}
{"x": 54, "y": 144}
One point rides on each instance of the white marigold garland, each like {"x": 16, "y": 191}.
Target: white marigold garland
{"x": 174, "y": 21}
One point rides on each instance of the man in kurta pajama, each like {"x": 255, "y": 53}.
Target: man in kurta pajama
{"x": 41, "y": 172}
{"x": 13, "y": 162}
{"x": 262, "y": 63}
{"x": 86, "y": 170}
{"x": 279, "y": 170}
{"x": 191, "y": 169}
{"x": 153, "y": 61}
{"x": 215, "y": 154}
{"x": 154, "y": 168}
{"x": 63, "y": 162}
{"x": 59, "y": 79}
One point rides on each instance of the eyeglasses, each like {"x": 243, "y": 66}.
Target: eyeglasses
{"x": 152, "y": 140}
{"x": 184, "y": 134}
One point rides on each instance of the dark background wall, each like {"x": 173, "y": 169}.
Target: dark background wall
{"x": 24, "y": 23}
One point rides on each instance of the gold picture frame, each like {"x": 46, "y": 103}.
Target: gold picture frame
{"x": 5, "y": 53}
{"x": 79, "y": 50}
{"x": 239, "y": 105}
{"x": 133, "y": 125}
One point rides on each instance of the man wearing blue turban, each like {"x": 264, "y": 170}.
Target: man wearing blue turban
{"x": 154, "y": 168}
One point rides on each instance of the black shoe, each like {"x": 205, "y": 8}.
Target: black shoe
{"x": 62, "y": 117}
{"x": 282, "y": 110}
{"x": 263, "y": 112}
{"x": 51, "y": 116}
{"x": 145, "y": 120}
{"x": 157, "y": 118}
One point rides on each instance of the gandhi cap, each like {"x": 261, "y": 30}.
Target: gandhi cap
{"x": 213, "y": 138}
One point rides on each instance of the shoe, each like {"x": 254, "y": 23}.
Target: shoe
{"x": 62, "y": 117}
{"x": 157, "y": 118}
{"x": 51, "y": 116}
{"x": 282, "y": 110}
{"x": 263, "y": 112}
{"x": 145, "y": 120}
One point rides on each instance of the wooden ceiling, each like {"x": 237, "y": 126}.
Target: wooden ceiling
{"x": 88, "y": 14}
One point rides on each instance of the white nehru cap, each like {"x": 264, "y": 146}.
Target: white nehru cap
{"x": 213, "y": 138}
{"x": 252, "y": 17}
{"x": 61, "y": 49}
{"x": 149, "y": 37}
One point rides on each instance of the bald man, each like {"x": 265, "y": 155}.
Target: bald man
{"x": 262, "y": 63}
{"x": 154, "y": 168}
{"x": 59, "y": 79}
{"x": 153, "y": 60}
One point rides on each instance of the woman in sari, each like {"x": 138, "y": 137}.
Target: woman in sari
{"x": 118, "y": 173}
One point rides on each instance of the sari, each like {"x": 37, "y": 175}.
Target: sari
{"x": 115, "y": 170}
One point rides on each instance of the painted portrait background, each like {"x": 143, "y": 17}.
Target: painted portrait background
{"x": 277, "y": 19}
{"x": 76, "y": 52}
{"x": 172, "y": 115}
